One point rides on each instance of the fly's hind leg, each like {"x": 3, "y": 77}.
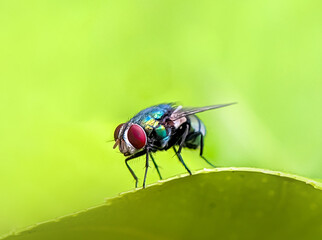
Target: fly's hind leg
{"x": 201, "y": 150}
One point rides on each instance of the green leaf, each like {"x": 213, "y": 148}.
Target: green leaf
{"x": 225, "y": 203}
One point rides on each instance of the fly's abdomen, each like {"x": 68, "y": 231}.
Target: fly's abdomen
{"x": 197, "y": 128}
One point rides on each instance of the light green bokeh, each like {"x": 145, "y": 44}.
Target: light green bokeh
{"x": 71, "y": 71}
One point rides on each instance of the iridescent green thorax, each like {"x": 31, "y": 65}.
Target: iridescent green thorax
{"x": 161, "y": 132}
{"x": 150, "y": 120}
{"x": 157, "y": 114}
{"x": 149, "y": 124}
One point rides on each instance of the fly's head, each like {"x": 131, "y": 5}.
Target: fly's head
{"x": 131, "y": 138}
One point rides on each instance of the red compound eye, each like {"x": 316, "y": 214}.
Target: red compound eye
{"x": 117, "y": 131}
{"x": 137, "y": 136}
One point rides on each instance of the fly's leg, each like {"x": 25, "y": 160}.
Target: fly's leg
{"x": 156, "y": 166}
{"x": 146, "y": 167}
{"x": 201, "y": 150}
{"x": 184, "y": 136}
{"x": 181, "y": 160}
{"x": 130, "y": 169}
{"x": 132, "y": 172}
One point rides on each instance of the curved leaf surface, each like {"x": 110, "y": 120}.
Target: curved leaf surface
{"x": 225, "y": 203}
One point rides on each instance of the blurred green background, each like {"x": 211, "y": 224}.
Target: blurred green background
{"x": 71, "y": 71}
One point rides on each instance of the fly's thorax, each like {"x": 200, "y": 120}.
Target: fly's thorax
{"x": 155, "y": 128}
{"x": 157, "y": 131}
{"x": 149, "y": 123}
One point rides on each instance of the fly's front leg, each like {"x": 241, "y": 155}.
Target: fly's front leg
{"x": 130, "y": 169}
{"x": 132, "y": 172}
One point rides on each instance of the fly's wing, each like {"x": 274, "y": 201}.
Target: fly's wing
{"x": 183, "y": 112}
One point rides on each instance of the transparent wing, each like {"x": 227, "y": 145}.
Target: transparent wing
{"x": 189, "y": 111}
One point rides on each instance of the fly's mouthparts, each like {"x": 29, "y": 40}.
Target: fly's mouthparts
{"x": 116, "y": 143}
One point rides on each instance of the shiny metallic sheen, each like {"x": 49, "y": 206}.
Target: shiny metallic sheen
{"x": 166, "y": 126}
